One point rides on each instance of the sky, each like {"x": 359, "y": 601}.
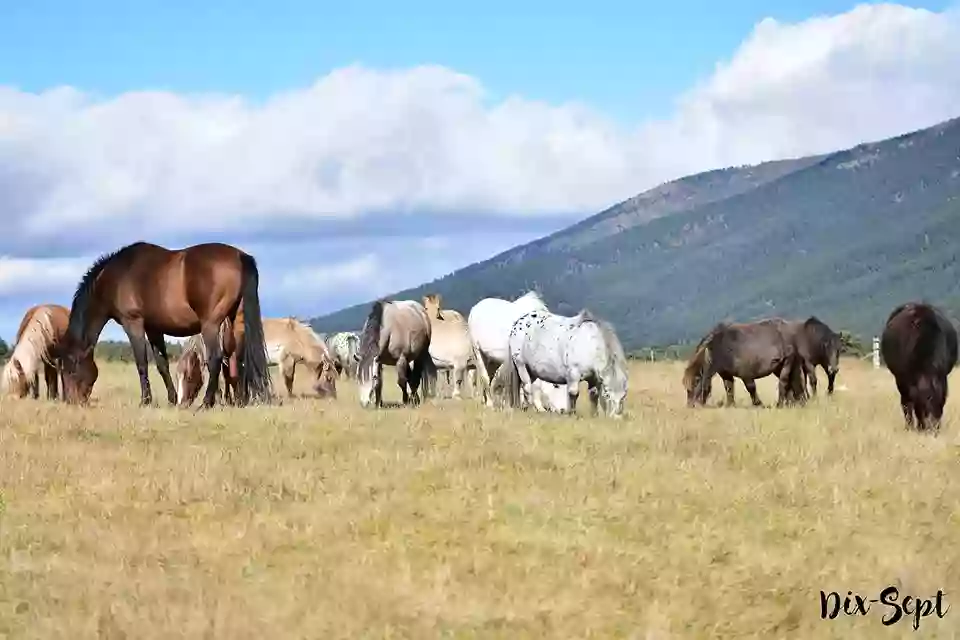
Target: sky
{"x": 358, "y": 150}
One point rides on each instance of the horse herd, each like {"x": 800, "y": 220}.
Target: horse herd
{"x": 519, "y": 353}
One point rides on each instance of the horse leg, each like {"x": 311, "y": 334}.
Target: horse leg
{"x": 415, "y": 378}
{"x": 810, "y": 371}
{"x": 35, "y": 386}
{"x": 287, "y": 370}
{"x": 138, "y": 342}
{"x": 729, "y": 388}
{"x": 163, "y": 364}
{"x": 403, "y": 372}
{"x": 526, "y": 385}
{"x": 211, "y": 342}
{"x": 459, "y": 373}
{"x": 593, "y": 393}
{"x": 50, "y": 376}
{"x": 906, "y": 404}
{"x": 751, "y": 387}
{"x": 831, "y": 377}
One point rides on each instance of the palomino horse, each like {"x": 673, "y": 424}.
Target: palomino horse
{"x": 152, "y": 291}
{"x": 450, "y": 345}
{"x": 42, "y": 328}
{"x": 819, "y": 346}
{"x": 343, "y": 348}
{"x": 290, "y": 342}
{"x": 396, "y": 333}
{"x": 566, "y": 350}
{"x": 919, "y": 347}
{"x": 489, "y": 323}
{"x": 748, "y": 351}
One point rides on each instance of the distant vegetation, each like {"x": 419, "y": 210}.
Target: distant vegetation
{"x": 845, "y": 236}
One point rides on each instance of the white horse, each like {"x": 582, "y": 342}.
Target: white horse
{"x": 565, "y": 351}
{"x": 489, "y": 323}
{"x": 549, "y": 397}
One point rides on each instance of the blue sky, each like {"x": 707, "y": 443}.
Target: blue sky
{"x": 513, "y": 119}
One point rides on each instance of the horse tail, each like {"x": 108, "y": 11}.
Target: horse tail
{"x": 507, "y": 379}
{"x": 430, "y": 375}
{"x": 254, "y": 374}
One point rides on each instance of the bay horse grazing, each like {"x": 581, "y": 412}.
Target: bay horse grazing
{"x": 41, "y": 330}
{"x": 748, "y": 351}
{"x": 818, "y": 345}
{"x": 151, "y": 292}
{"x": 291, "y": 342}
{"x": 343, "y": 348}
{"x": 566, "y": 350}
{"x": 919, "y": 347}
{"x": 450, "y": 345}
{"x": 489, "y": 323}
{"x": 395, "y": 333}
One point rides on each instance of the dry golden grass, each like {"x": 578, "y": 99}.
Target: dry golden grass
{"x": 318, "y": 519}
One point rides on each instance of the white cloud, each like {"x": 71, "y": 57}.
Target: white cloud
{"x": 362, "y": 273}
{"x": 22, "y": 276}
{"x": 426, "y": 139}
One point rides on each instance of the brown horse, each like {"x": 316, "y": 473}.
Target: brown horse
{"x": 747, "y": 351}
{"x": 819, "y": 346}
{"x": 396, "y": 333}
{"x": 41, "y": 330}
{"x": 151, "y": 292}
{"x": 919, "y": 347}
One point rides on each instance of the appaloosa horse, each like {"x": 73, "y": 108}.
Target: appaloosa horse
{"x": 919, "y": 347}
{"x": 151, "y": 292}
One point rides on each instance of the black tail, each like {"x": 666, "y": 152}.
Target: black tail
{"x": 255, "y": 383}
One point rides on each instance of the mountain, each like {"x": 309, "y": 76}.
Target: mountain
{"x": 845, "y": 236}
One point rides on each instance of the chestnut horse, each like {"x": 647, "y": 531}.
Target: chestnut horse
{"x": 41, "y": 329}
{"x": 151, "y": 292}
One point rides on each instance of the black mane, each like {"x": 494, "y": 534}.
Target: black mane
{"x": 371, "y": 330}
{"x": 81, "y": 297}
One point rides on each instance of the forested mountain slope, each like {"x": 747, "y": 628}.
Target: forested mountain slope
{"x": 845, "y": 236}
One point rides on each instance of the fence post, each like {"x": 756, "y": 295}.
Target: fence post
{"x": 876, "y": 352}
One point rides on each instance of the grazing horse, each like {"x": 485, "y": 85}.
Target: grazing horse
{"x": 450, "y": 345}
{"x": 151, "y": 292}
{"x": 818, "y": 345}
{"x": 566, "y": 350}
{"x": 550, "y": 398}
{"x": 748, "y": 351}
{"x": 396, "y": 333}
{"x": 919, "y": 347}
{"x": 41, "y": 329}
{"x": 193, "y": 362}
{"x": 343, "y": 348}
{"x": 489, "y": 323}
{"x": 291, "y": 342}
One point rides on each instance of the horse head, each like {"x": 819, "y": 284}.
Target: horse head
{"x": 189, "y": 378}
{"x": 80, "y": 371}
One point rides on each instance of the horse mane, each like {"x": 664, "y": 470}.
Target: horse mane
{"x": 81, "y": 297}
{"x": 34, "y": 342}
{"x": 612, "y": 342}
{"x": 27, "y": 317}
{"x": 820, "y": 332}
{"x": 371, "y": 328}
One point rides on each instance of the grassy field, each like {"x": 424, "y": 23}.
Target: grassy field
{"x": 318, "y": 519}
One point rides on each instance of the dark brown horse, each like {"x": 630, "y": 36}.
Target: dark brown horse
{"x": 819, "y": 346}
{"x": 747, "y": 351}
{"x": 919, "y": 347}
{"x": 151, "y": 292}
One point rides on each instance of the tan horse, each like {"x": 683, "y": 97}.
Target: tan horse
{"x": 395, "y": 333}
{"x": 41, "y": 330}
{"x": 450, "y": 345}
{"x": 288, "y": 342}
{"x": 291, "y": 342}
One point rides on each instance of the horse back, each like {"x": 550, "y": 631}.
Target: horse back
{"x": 918, "y": 338}
{"x": 406, "y": 328}
{"x": 751, "y": 347}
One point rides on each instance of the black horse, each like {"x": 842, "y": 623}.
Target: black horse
{"x": 919, "y": 347}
